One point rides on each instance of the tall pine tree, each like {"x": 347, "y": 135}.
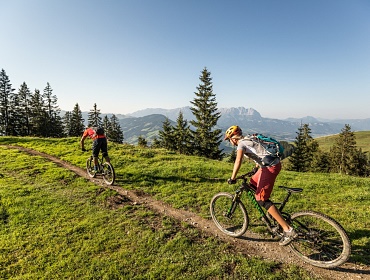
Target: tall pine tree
{"x": 304, "y": 149}
{"x": 345, "y": 157}
{"x": 115, "y": 134}
{"x": 94, "y": 118}
{"x": 166, "y": 136}
{"x": 39, "y": 116}
{"x": 182, "y": 135}
{"x": 25, "y": 109}
{"x": 206, "y": 139}
{"x": 6, "y": 93}
{"x": 76, "y": 122}
{"x": 54, "y": 127}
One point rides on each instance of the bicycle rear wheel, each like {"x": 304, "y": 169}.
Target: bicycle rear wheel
{"x": 321, "y": 240}
{"x": 90, "y": 167}
{"x": 230, "y": 217}
{"x": 108, "y": 173}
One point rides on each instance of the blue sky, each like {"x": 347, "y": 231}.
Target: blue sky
{"x": 283, "y": 58}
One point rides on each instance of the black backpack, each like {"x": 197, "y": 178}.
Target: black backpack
{"x": 100, "y": 131}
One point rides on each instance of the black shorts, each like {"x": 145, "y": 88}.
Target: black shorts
{"x": 100, "y": 144}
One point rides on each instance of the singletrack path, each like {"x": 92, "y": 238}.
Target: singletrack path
{"x": 250, "y": 244}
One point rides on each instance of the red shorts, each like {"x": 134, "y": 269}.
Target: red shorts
{"x": 264, "y": 180}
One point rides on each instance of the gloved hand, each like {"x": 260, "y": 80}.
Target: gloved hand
{"x": 231, "y": 181}
{"x": 83, "y": 149}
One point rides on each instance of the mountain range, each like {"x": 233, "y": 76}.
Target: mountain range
{"x": 148, "y": 122}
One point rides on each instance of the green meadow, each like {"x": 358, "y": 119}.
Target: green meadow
{"x": 57, "y": 225}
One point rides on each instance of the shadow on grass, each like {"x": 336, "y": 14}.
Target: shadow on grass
{"x": 360, "y": 253}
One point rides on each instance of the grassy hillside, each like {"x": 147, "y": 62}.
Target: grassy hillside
{"x": 57, "y": 225}
{"x": 362, "y": 141}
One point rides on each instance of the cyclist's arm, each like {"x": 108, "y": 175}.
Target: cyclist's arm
{"x": 237, "y": 163}
{"x": 82, "y": 141}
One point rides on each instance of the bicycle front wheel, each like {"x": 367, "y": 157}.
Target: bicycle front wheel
{"x": 230, "y": 216}
{"x": 90, "y": 167}
{"x": 108, "y": 173}
{"x": 321, "y": 240}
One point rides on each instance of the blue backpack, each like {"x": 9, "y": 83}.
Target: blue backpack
{"x": 271, "y": 145}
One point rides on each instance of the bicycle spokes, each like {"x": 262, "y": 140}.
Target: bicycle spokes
{"x": 321, "y": 241}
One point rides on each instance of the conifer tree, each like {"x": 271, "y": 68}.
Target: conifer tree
{"x": 156, "y": 143}
{"x": 115, "y": 134}
{"x": 6, "y": 93}
{"x": 38, "y": 115}
{"x": 107, "y": 126}
{"x": 206, "y": 139}
{"x": 181, "y": 133}
{"x": 321, "y": 162}
{"x": 141, "y": 141}
{"x": 304, "y": 148}
{"x": 15, "y": 116}
{"x": 25, "y": 109}
{"x": 67, "y": 124}
{"x": 94, "y": 118}
{"x": 77, "y": 122}
{"x": 166, "y": 136}
{"x": 54, "y": 127}
{"x": 345, "y": 157}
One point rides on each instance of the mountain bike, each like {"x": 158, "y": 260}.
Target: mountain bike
{"x": 105, "y": 169}
{"x": 321, "y": 240}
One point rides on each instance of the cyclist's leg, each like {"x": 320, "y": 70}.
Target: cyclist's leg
{"x": 265, "y": 179}
{"x": 104, "y": 149}
{"x": 95, "y": 150}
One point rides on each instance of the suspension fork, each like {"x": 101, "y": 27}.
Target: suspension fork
{"x": 234, "y": 204}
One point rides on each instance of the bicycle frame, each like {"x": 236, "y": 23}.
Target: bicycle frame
{"x": 250, "y": 191}
{"x": 100, "y": 162}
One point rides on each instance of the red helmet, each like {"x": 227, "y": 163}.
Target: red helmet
{"x": 231, "y": 131}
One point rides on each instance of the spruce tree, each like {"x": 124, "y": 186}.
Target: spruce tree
{"x": 304, "y": 148}
{"x": 116, "y": 133}
{"x": 67, "y": 123}
{"x": 166, "y": 136}
{"x": 77, "y": 122}
{"x": 181, "y": 133}
{"x": 141, "y": 141}
{"x": 94, "y": 118}
{"x": 6, "y": 93}
{"x": 206, "y": 139}
{"x": 107, "y": 126}
{"x": 321, "y": 162}
{"x": 39, "y": 117}
{"x": 345, "y": 157}
{"x": 25, "y": 109}
{"x": 156, "y": 143}
{"x": 54, "y": 127}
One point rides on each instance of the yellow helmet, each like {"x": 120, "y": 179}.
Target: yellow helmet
{"x": 231, "y": 131}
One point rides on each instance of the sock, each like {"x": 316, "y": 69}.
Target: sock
{"x": 290, "y": 229}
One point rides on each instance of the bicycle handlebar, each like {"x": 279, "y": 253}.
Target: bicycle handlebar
{"x": 244, "y": 176}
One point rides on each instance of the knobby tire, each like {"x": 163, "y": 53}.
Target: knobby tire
{"x": 108, "y": 173}
{"x": 321, "y": 240}
{"x": 236, "y": 223}
{"x": 90, "y": 167}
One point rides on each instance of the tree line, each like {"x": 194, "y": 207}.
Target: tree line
{"x": 343, "y": 157}
{"x": 26, "y": 113}
{"x": 37, "y": 114}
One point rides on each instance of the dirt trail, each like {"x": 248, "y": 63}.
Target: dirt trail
{"x": 250, "y": 244}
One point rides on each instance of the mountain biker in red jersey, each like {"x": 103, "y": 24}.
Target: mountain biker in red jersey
{"x": 264, "y": 177}
{"x": 99, "y": 143}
